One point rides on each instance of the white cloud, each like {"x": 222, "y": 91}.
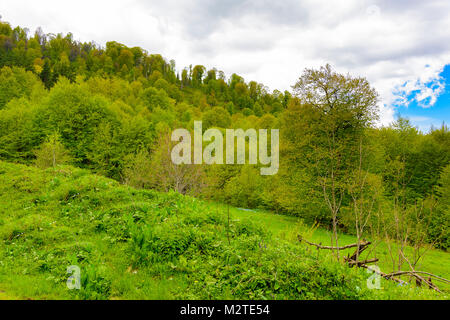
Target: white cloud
{"x": 400, "y": 46}
{"x": 425, "y": 90}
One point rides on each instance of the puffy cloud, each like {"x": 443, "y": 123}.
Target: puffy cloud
{"x": 424, "y": 90}
{"x": 399, "y": 46}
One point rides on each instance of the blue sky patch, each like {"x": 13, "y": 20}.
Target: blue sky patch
{"x": 421, "y": 113}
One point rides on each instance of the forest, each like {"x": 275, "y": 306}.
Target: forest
{"x": 110, "y": 111}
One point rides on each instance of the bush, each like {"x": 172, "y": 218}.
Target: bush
{"x": 51, "y": 153}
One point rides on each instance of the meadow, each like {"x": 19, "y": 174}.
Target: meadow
{"x": 143, "y": 244}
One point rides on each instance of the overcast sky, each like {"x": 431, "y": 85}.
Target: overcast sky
{"x": 400, "y": 46}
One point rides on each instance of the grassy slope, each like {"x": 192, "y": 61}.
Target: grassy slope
{"x": 134, "y": 244}
{"x": 285, "y": 227}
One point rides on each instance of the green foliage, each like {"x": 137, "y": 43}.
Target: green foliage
{"x": 166, "y": 176}
{"x": 16, "y": 83}
{"x": 16, "y": 124}
{"x": 138, "y": 244}
{"x": 114, "y": 108}
{"x": 439, "y": 230}
{"x": 138, "y": 171}
{"x": 51, "y": 153}
{"x": 246, "y": 188}
{"x": 216, "y": 117}
{"x": 105, "y": 119}
{"x": 154, "y": 98}
{"x": 73, "y": 113}
{"x": 94, "y": 285}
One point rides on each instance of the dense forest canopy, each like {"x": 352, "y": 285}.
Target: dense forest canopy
{"x": 112, "y": 109}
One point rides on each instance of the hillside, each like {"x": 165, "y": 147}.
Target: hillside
{"x": 113, "y": 109}
{"x": 141, "y": 244}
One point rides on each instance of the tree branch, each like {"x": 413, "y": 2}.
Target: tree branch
{"x": 330, "y": 247}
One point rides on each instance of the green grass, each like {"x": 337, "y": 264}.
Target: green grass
{"x": 141, "y": 244}
{"x": 286, "y": 227}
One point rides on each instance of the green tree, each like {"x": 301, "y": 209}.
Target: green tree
{"x": 166, "y": 176}
{"x": 197, "y": 75}
{"x": 245, "y": 189}
{"x": 16, "y": 83}
{"x": 339, "y": 108}
{"x": 75, "y": 114}
{"x": 154, "y": 98}
{"x": 46, "y": 75}
{"x": 51, "y": 153}
{"x": 216, "y": 117}
{"x": 439, "y": 231}
{"x": 138, "y": 169}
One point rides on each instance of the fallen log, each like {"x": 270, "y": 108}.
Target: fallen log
{"x": 355, "y": 257}
{"x": 364, "y": 264}
{"x": 399, "y": 273}
{"x": 354, "y": 245}
{"x": 352, "y": 262}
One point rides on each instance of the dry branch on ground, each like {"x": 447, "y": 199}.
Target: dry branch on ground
{"x": 352, "y": 261}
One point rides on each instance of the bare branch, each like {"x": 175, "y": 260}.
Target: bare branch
{"x": 330, "y": 247}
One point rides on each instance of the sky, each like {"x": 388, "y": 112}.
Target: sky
{"x": 402, "y": 47}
